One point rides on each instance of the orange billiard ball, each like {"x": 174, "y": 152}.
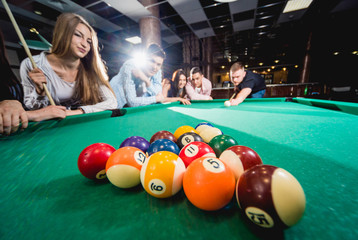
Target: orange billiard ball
{"x": 162, "y": 174}
{"x": 209, "y": 184}
{"x": 124, "y": 165}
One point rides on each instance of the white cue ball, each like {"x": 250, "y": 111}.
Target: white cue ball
{"x": 227, "y": 103}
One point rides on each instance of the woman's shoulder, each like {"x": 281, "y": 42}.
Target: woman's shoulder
{"x": 38, "y": 59}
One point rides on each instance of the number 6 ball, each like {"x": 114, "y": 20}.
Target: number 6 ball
{"x": 162, "y": 174}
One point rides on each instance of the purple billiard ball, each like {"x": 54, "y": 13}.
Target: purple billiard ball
{"x": 136, "y": 141}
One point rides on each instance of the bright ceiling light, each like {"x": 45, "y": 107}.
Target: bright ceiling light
{"x": 294, "y": 5}
{"x": 140, "y": 58}
{"x": 134, "y": 40}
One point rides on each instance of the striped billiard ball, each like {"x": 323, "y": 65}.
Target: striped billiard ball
{"x": 270, "y": 197}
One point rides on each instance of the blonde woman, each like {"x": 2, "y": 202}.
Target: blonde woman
{"x": 73, "y": 70}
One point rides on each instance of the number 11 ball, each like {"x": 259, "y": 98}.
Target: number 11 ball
{"x": 270, "y": 197}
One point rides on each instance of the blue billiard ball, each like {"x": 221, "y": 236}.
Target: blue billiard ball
{"x": 163, "y": 145}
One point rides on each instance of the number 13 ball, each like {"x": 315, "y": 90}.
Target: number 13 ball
{"x": 162, "y": 174}
{"x": 209, "y": 184}
{"x": 270, "y": 197}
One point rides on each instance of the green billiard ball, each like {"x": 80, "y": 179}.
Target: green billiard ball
{"x": 221, "y": 142}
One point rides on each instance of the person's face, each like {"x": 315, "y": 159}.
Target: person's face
{"x": 182, "y": 81}
{"x": 154, "y": 64}
{"x": 81, "y": 41}
{"x": 238, "y": 76}
{"x": 197, "y": 79}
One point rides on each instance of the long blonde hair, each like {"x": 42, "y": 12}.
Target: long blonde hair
{"x": 92, "y": 72}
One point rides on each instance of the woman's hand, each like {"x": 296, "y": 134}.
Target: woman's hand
{"x": 184, "y": 101}
{"x": 38, "y": 77}
{"x": 46, "y": 113}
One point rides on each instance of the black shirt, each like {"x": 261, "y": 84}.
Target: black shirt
{"x": 253, "y": 81}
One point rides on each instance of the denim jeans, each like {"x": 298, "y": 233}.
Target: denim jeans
{"x": 259, "y": 94}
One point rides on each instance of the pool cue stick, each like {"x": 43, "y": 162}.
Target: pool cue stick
{"x": 232, "y": 96}
{"x": 24, "y": 44}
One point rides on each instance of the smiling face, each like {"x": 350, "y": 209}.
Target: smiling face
{"x": 182, "y": 81}
{"x": 81, "y": 41}
{"x": 154, "y": 63}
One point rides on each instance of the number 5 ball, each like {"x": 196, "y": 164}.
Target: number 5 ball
{"x": 209, "y": 184}
{"x": 92, "y": 160}
{"x": 162, "y": 174}
{"x": 270, "y": 197}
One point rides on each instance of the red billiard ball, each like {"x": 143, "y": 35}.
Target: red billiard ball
{"x": 240, "y": 158}
{"x": 270, "y": 197}
{"x": 92, "y": 160}
{"x": 162, "y": 134}
{"x": 208, "y": 183}
{"x": 195, "y": 150}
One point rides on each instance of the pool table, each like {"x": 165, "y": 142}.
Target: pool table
{"x": 44, "y": 196}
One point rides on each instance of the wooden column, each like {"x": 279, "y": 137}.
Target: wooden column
{"x": 207, "y": 46}
{"x": 306, "y": 62}
{"x": 191, "y": 52}
{"x": 150, "y": 26}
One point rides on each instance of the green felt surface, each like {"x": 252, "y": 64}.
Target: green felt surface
{"x": 43, "y": 195}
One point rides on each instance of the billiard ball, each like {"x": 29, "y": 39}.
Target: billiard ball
{"x": 92, "y": 160}
{"x": 162, "y": 134}
{"x": 162, "y": 174}
{"x": 209, "y": 133}
{"x": 221, "y": 142}
{"x": 183, "y": 129}
{"x": 203, "y": 127}
{"x": 124, "y": 165}
{"x": 270, "y": 197}
{"x": 187, "y": 138}
{"x": 163, "y": 145}
{"x": 227, "y": 104}
{"x": 209, "y": 184}
{"x": 195, "y": 150}
{"x": 203, "y": 123}
{"x": 136, "y": 141}
{"x": 240, "y": 158}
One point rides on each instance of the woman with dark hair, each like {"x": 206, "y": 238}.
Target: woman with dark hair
{"x": 12, "y": 112}
{"x": 174, "y": 89}
{"x": 75, "y": 74}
